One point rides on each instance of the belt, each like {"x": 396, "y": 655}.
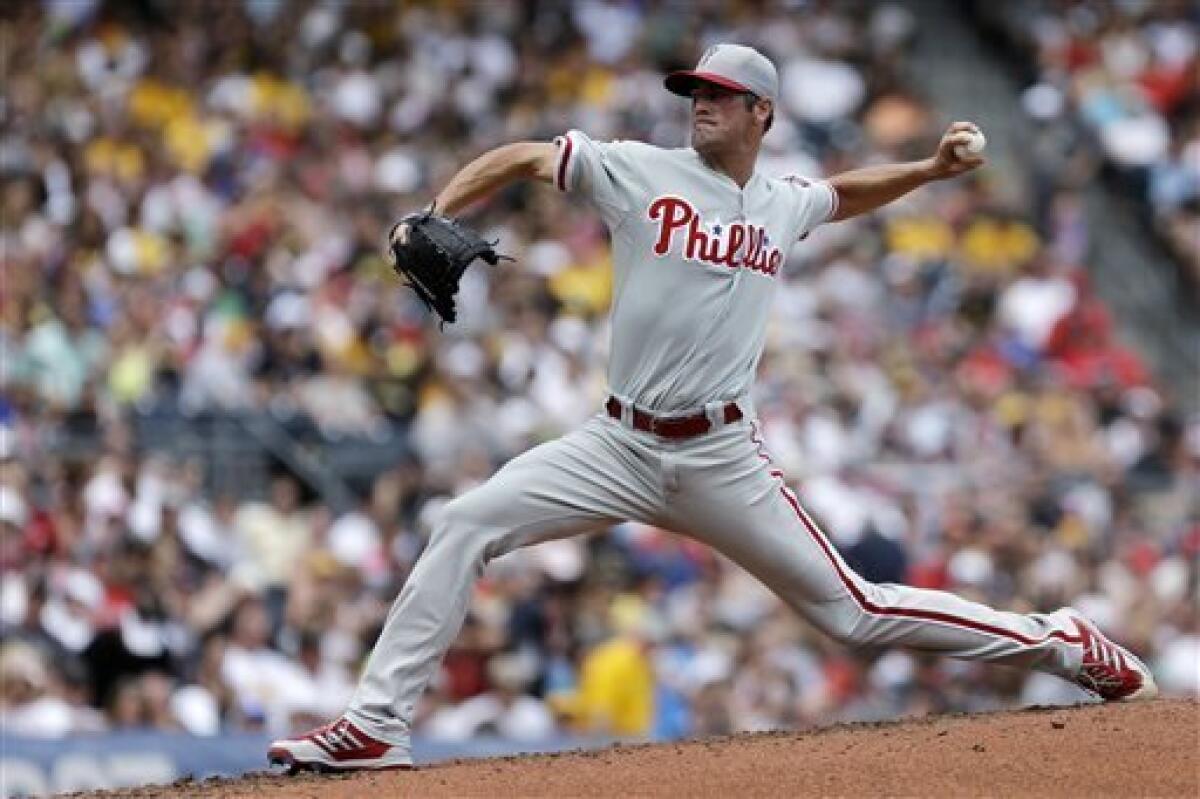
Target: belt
{"x": 672, "y": 426}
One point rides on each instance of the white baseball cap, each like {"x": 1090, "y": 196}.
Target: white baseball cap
{"x": 733, "y": 66}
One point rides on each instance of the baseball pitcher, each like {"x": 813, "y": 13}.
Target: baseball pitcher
{"x": 699, "y": 238}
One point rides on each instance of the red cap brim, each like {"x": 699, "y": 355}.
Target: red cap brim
{"x": 684, "y": 81}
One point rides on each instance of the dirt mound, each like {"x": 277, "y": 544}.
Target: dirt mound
{"x": 1144, "y": 749}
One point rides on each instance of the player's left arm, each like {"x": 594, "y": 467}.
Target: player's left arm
{"x": 860, "y": 191}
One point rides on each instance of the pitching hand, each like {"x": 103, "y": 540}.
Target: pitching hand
{"x": 946, "y": 162}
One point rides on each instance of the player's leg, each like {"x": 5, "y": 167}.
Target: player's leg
{"x": 733, "y": 498}
{"x": 579, "y": 483}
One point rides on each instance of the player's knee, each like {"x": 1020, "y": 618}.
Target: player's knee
{"x": 454, "y": 523}
{"x": 845, "y": 634}
{"x": 465, "y": 528}
{"x": 844, "y": 623}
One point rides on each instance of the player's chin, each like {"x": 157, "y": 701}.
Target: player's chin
{"x": 705, "y": 136}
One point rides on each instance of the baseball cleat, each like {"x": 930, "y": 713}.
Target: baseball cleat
{"x": 1110, "y": 671}
{"x": 337, "y": 746}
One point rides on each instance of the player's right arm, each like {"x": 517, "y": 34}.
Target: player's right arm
{"x": 496, "y": 169}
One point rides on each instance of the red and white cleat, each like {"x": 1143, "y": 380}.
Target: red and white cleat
{"x": 338, "y": 746}
{"x": 1110, "y": 671}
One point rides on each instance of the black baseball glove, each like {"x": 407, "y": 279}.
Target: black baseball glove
{"x": 431, "y": 252}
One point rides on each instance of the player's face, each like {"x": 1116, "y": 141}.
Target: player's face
{"x": 720, "y": 118}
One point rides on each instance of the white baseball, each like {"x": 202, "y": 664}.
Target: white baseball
{"x": 974, "y": 145}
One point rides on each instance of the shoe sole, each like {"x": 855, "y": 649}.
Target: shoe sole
{"x": 291, "y": 766}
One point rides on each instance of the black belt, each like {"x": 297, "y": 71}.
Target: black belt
{"x": 672, "y": 426}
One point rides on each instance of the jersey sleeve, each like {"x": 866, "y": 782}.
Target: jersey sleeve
{"x": 606, "y": 173}
{"x": 816, "y": 203}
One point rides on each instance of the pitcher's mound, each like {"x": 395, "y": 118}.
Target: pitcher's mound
{"x": 1142, "y": 749}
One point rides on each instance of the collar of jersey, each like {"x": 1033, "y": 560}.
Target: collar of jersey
{"x": 722, "y": 175}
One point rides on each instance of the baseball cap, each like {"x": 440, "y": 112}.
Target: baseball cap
{"x": 734, "y": 66}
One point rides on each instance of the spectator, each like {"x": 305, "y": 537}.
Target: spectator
{"x": 616, "y": 679}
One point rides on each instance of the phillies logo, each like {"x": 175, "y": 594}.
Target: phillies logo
{"x": 739, "y": 244}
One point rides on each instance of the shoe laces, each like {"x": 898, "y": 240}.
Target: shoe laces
{"x": 1104, "y": 667}
{"x": 337, "y": 735}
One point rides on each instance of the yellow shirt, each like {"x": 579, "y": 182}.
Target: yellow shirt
{"x": 616, "y": 688}
{"x": 997, "y": 247}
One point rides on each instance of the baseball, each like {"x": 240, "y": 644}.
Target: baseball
{"x": 973, "y": 147}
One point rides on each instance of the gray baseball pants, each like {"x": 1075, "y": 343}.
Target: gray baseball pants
{"x": 719, "y": 488}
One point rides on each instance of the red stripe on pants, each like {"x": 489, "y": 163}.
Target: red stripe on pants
{"x": 912, "y": 613}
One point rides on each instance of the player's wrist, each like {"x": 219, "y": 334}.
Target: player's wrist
{"x": 931, "y": 169}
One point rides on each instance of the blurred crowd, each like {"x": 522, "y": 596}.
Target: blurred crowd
{"x": 193, "y": 201}
{"x": 1129, "y": 71}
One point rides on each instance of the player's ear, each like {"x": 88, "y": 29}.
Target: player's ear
{"x": 764, "y": 111}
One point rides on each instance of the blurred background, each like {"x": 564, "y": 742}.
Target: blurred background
{"x": 224, "y": 426}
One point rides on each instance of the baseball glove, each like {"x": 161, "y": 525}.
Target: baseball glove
{"x": 431, "y": 252}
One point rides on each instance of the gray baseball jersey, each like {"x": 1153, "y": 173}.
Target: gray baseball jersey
{"x": 696, "y": 259}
